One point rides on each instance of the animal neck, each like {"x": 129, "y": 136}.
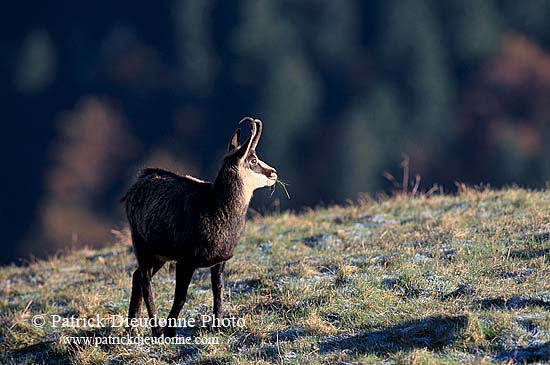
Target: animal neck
{"x": 229, "y": 196}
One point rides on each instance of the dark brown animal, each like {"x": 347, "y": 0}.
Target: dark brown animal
{"x": 193, "y": 222}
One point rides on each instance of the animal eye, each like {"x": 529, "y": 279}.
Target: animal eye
{"x": 253, "y": 161}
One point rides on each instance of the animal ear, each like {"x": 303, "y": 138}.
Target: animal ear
{"x": 234, "y": 142}
{"x": 243, "y": 150}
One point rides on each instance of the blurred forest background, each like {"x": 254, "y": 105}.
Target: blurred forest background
{"x": 92, "y": 91}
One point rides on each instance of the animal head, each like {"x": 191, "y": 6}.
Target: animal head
{"x": 244, "y": 159}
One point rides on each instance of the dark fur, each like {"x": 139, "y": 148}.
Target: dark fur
{"x": 197, "y": 224}
{"x": 201, "y": 221}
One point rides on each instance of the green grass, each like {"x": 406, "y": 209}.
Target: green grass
{"x": 407, "y": 280}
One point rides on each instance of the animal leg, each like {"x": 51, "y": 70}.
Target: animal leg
{"x": 146, "y": 269}
{"x": 216, "y": 277}
{"x": 137, "y": 295}
{"x": 183, "y": 278}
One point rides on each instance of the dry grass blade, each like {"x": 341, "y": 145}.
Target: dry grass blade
{"x": 431, "y": 299}
{"x": 283, "y": 185}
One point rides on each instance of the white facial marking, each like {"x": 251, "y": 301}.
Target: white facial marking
{"x": 253, "y": 180}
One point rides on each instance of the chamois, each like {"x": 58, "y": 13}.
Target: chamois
{"x": 193, "y": 222}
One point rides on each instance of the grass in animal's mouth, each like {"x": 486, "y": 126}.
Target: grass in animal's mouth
{"x": 283, "y": 185}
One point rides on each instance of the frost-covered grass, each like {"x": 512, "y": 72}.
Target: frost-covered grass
{"x": 440, "y": 279}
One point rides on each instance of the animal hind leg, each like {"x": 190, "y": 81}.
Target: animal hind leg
{"x": 137, "y": 295}
{"x": 183, "y": 278}
{"x": 146, "y": 269}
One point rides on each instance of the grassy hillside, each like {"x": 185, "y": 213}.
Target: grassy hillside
{"x": 441, "y": 279}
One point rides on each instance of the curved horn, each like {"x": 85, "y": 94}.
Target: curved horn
{"x": 258, "y": 133}
{"x": 250, "y": 119}
{"x": 243, "y": 151}
{"x": 255, "y": 130}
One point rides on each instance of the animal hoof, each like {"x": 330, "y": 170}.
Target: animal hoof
{"x": 156, "y": 331}
{"x": 169, "y": 332}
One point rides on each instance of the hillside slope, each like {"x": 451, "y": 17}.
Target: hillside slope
{"x": 441, "y": 279}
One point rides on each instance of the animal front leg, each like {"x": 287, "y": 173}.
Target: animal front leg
{"x": 183, "y": 278}
{"x": 216, "y": 276}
